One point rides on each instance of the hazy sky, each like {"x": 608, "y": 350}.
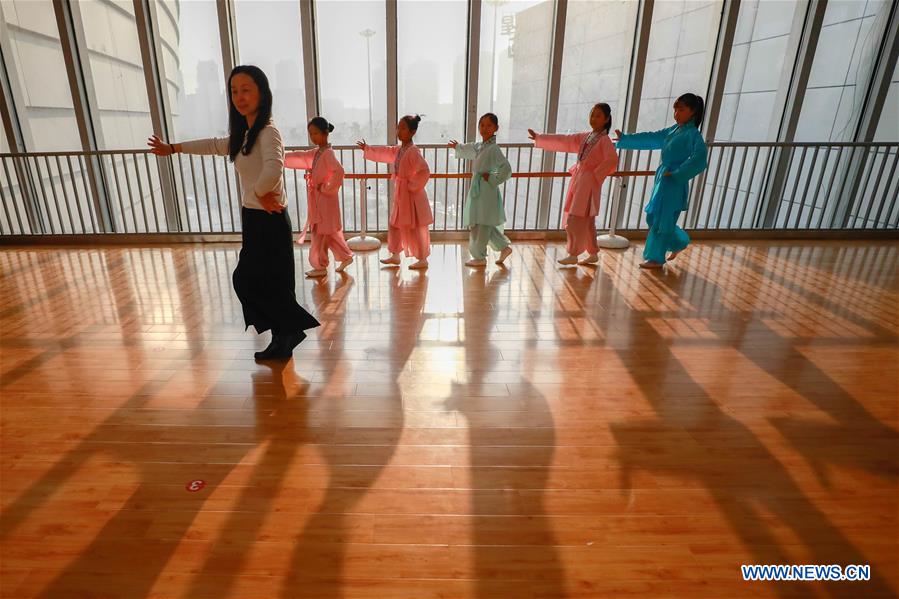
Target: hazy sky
{"x": 269, "y": 31}
{"x": 342, "y": 51}
{"x": 199, "y": 39}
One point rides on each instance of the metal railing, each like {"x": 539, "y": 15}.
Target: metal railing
{"x": 748, "y": 186}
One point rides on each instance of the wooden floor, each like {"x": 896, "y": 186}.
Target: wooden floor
{"x": 532, "y": 431}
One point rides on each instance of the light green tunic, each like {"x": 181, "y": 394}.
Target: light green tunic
{"x": 484, "y": 205}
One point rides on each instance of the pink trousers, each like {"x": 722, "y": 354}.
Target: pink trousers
{"x": 581, "y": 235}
{"x": 320, "y": 244}
{"x": 415, "y": 241}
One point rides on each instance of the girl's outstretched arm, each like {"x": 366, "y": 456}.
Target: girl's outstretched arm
{"x": 380, "y": 153}
{"x": 650, "y": 140}
{"x": 557, "y": 142}
{"x": 301, "y": 159}
{"x": 466, "y": 152}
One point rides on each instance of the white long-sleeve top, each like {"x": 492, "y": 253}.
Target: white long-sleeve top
{"x": 260, "y": 171}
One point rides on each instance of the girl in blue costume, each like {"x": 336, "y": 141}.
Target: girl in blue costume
{"x": 683, "y": 157}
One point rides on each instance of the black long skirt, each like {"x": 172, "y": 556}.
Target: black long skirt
{"x": 264, "y": 279}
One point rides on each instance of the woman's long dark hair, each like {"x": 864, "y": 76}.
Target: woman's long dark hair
{"x": 237, "y": 123}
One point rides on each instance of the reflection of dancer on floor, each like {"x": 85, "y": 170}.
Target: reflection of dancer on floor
{"x": 484, "y": 213}
{"x": 596, "y": 160}
{"x": 683, "y": 157}
{"x": 324, "y": 176}
{"x": 411, "y": 213}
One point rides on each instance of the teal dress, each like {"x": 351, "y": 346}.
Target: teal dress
{"x": 684, "y": 156}
{"x": 484, "y": 213}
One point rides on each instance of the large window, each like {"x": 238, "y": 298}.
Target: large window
{"x": 888, "y": 130}
{"x": 431, "y": 64}
{"x": 514, "y": 70}
{"x": 752, "y": 104}
{"x": 117, "y": 71}
{"x": 876, "y": 208}
{"x": 195, "y": 85}
{"x": 352, "y": 70}
{"x": 516, "y": 43}
{"x": 39, "y": 88}
{"x": 841, "y": 72}
{"x": 192, "y": 61}
{"x": 595, "y": 64}
{"x": 851, "y": 38}
{"x": 9, "y": 223}
{"x": 268, "y": 36}
{"x": 120, "y": 90}
{"x": 888, "y": 127}
{"x": 679, "y": 57}
{"x": 750, "y": 110}
{"x": 38, "y": 70}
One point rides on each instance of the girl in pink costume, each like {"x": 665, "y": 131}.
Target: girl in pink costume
{"x": 596, "y": 160}
{"x": 411, "y": 213}
{"x": 324, "y": 176}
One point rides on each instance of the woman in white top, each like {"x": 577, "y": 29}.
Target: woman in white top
{"x": 264, "y": 278}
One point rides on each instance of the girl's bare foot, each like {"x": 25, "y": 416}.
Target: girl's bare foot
{"x": 420, "y": 265}
{"x": 568, "y": 260}
{"x": 316, "y": 272}
{"x": 505, "y": 253}
{"x": 591, "y": 259}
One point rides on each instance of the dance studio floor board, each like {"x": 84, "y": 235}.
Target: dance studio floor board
{"x": 525, "y": 432}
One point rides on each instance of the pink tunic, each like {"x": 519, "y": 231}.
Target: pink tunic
{"x": 596, "y": 161}
{"x": 324, "y": 176}
{"x": 411, "y": 207}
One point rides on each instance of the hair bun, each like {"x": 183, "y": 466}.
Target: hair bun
{"x": 330, "y": 127}
{"x": 417, "y": 118}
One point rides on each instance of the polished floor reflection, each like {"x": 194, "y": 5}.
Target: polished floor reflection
{"x": 530, "y": 431}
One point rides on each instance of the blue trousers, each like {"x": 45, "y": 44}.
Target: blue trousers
{"x": 664, "y": 235}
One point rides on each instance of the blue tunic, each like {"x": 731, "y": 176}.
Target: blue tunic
{"x": 684, "y": 156}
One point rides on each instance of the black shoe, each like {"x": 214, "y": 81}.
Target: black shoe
{"x": 288, "y": 343}
{"x": 270, "y": 352}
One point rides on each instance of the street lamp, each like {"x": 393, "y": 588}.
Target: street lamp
{"x": 364, "y": 242}
{"x": 496, "y": 4}
{"x": 368, "y": 34}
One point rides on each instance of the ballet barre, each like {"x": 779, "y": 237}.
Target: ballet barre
{"x": 543, "y": 175}
{"x": 363, "y": 242}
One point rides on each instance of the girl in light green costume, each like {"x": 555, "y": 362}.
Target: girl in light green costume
{"x": 484, "y": 214}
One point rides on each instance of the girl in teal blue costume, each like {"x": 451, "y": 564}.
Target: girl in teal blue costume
{"x": 683, "y": 157}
